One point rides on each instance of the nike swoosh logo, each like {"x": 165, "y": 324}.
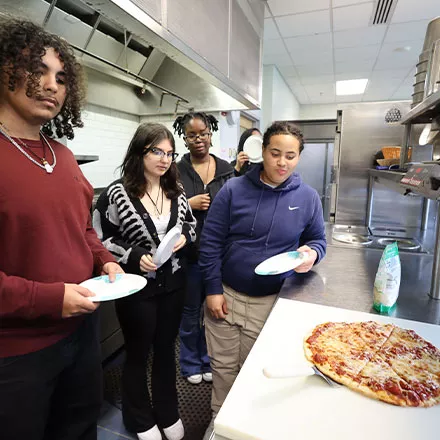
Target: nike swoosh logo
{"x": 292, "y": 208}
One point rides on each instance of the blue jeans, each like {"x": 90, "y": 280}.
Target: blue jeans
{"x": 193, "y": 352}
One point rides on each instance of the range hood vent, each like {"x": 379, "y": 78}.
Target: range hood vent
{"x": 93, "y": 19}
{"x": 383, "y": 11}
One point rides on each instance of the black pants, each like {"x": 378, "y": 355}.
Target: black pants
{"x": 150, "y": 323}
{"x": 54, "y": 393}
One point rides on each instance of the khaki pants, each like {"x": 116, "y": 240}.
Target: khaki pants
{"x": 230, "y": 340}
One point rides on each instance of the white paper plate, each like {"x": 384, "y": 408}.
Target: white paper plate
{"x": 253, "y": 147}
{"x": 124, "y": 285}
{"x": 165, "y": 249}
{"x": 281, "y": 263}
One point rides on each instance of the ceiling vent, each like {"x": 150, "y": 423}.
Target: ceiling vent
{"x": 382, "y": 12}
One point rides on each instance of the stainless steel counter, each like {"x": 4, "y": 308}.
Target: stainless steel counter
{"x": 345, "y": 279}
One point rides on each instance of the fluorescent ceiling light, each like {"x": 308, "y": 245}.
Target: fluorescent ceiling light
{"x": 351, "y": 87}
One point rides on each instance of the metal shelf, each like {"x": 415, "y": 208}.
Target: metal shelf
{"x": 390, "y": 179}
{"x": 425, "y": 111}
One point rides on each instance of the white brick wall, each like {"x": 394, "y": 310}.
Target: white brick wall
{"x": 106, "y": 133}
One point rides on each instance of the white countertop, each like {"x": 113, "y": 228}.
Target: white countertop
{"x": 306, "y": 407}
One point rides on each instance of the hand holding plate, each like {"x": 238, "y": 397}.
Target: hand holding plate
{"x": 310, "y": 257}
{"x": 111, "y": 269}
{"x": 242, "y": 158}
{"x": 146, "y": 264}
{"x": 75, "y": 301}
{"x": 180, "y": 243}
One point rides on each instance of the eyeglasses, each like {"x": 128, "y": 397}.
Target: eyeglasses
{"x": 202, "y": 136}
{"x": 161, "y": 154}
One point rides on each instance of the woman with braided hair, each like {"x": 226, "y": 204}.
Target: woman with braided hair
{"x": 202, "y": 175}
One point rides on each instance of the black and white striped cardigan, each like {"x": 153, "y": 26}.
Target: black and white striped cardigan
{"x": 128, "y": 232}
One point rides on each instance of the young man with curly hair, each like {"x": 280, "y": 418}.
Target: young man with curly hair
{"x": 50, "y": 373}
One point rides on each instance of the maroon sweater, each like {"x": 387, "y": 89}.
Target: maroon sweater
{"x": 46, "y": 240}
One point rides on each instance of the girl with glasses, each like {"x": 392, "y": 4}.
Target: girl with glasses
{"x": 202, "y": 175}
{"x": 131, "y": 217}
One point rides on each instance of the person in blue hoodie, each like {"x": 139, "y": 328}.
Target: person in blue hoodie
{"x": 266, "y": 212}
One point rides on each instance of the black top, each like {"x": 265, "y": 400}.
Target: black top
{"x": 247, "y": 166}
{"x": 193, "y": 186}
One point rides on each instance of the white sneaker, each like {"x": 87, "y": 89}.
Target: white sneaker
{"x": 175, "y": 432}
{"x": 152, "y": 434}
{"x": 194, "y": 379}
{"x": 207, "y": 377}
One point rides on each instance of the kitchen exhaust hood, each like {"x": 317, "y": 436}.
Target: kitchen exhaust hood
{"x": 145, "y": 69}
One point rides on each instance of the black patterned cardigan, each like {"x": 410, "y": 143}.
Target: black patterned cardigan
{"x": 128, "y": 232}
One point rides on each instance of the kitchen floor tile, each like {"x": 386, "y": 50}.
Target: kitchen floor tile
{"x": 105, "y": 434}
{"x": 111, "y": 420}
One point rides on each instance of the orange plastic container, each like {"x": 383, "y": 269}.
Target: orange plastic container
{"x": 391, "y": 152}
{"x": 394, "y": 152}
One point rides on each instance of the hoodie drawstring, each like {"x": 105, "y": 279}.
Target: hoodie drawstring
{"x": 273, "y": 219}
{"x": 256, "y": 211}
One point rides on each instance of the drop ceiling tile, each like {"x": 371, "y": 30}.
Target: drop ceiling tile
{"x": 403, "y": 92}
{"x": 304, "y": 24}
{"x": 270, "y": 30}
{"x": 390, "y": 58}
{"x": 318, "y": 79}
{"x": 413, "y": 30}
{"x": 352, "y": 75}
{"x": 286, "y": 7}
{"x": 314, "y": 70}
{"x": 274, "y": 47}
{"x": 354, "y": 66}
{"x": 408, "y": 10}
{"x": 352, "y": 17}
{"x": 338, "y": 3}
{"x": 288, "y": 72}
{"x": 386, "y": 64}
{"x": 323, "y": 100}
{"x": 415, "y": 48}
{"x": 304, "y": 58}
{"x": 266, "y": 12}
{"x": 394, "y": 74}
{"x": 321, "y": 92}
{"x": 278, "y": 60}
{"x": 381, "y": 84}
{"x": 379, "y": 93}
{"x": 319, "y": 42}
{"x": 377, "y": 97}
{"x": 356, "y": 53}
{"x": 299, "y": 93}
{"x": 359, "y": 37}
{"x": 293, "y": 82}
{"x": 348, "y": 98}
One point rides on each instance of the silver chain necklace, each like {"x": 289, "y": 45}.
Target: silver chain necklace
{"x": 44, "y": 164}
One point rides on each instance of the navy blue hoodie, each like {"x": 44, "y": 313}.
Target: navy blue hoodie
{"x": 249, "y": 222}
